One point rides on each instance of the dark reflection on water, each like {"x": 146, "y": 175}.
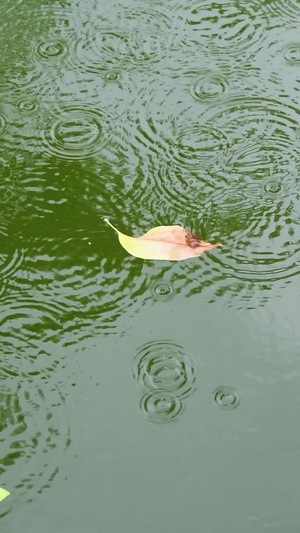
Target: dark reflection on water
{"x": 150, "y": 113}
{"x": 33, "y": 433}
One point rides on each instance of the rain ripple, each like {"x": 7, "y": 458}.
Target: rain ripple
{"x": 225, "y": 28}
{"x": 81, "y": 292}
{"x": 11, "y": 255}
{"x": 282, "y": 48}
{"x": 254, "y": 206}
{"x": 176, "y": 157}
{"x": 74, "y": 131}
{"x": 47, "y": 37}
{"x": 3, "y": 122}
{"x": 133, "y": 39}
{"x": 262, "y": 166}
{"x": 51, "y": 49}
{"x": 226, "y": 398}
{"x": 164, "y": 365}
{"x": 166, "y": 372}
{"x": 33, "y": 430}
{"x": 161, "y": 407}
{"x": 209, "y": 88}
{"x": 287, "y": 11}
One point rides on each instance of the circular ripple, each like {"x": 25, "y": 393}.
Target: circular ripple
{"x": 162, "y": 291}
{"x": 161, "y": 406}
{"x": 75, "y": 132}
{"x": 141, "y": 37}
{"x": 176, "y": 154}
{"x": 3, "y": 122}
{"x": 27, "y": 320}
{"x": 33, "y": 431}
{"x": 27, "y": 106}
{"x": 152, "y": 33}
{"x": 287, "y": 11}
{"x": 195, "y": 145}
{"x": 164, "y": 365}
{"x": 73, "y": 303}
{"x": 225, "y": 27}
{"x": 112, "y": 75}
{"x": 59, "y": 26}
{"x": 52, "y": 48}
{"x": 273, "y": 188}
{"x": 11, "y": 257}
{"x": 292, "y": 54}
{"x": 226, "y": 397}
{"x": 208, "y": 88}
{"x": 261, "y": 197}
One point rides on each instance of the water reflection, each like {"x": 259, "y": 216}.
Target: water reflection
{"x": 33, "y": 431}
{"x": 73, "y": 131}
{"x": 183, "y": 113}
{"x": 225, "y": 28}
{"x": 141, "y": 37}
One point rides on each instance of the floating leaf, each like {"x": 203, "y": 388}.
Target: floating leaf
{"x": 3, "y": 494}
{"x": 171, "y": 243}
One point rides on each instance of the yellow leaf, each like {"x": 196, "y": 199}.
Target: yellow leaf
{"x": 171, "y": 243}
{"x": 3, "y": 494}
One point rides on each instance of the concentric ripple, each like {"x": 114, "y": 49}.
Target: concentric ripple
{"x": 226, "y": 397}
{"x": 161, "y": 406}
{"x": 3, "y": 122}
{"x": 287, "y": 11}
{"x": 33, "y": 431}
{"x": 133, "y": 39}
{"x": 281, "y": 70}
{"x": 162, "y": 291}
{"x": 273, "y": 188}
{"x": 208, "y": 88}
{"x": 11, "y": 256}
{"x": 225, "y": 27}
{"x": 291, "y": 54}
{"x": 51, "y": 49}
{"x": 33, "y": 39}
{"x": 178, "y": 154}
{"x": 81, "y": 291}
{"x": 27, "y": 106}
{"x": 195, "y": 145}
{"x": 261, "y": 170}
{"x": 165, "y": 366}
{"x": 75, "y": 132}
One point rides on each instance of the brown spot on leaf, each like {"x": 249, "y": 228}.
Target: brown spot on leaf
{"x": 192, "y": 240}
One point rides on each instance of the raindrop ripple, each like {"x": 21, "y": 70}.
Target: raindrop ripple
{"x": 161, "y": 406}
{"x": 165, "y": 366}
{"x": 226, "y": 397}
{"x": 225, "y": 28}
{"x": 76, "y": 131}
{"x": 260, "y": 189}
{"x": 33, "y": 430}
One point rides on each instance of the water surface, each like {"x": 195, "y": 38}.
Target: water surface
{"x": 139, "y": 395}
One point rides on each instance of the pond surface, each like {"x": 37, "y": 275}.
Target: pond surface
{"x": 148, "y": 396}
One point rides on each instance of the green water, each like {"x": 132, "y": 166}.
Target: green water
{"x": 142, "y": 396}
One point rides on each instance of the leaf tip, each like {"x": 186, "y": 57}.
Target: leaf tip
{"x": 110, "y": 224}
{"x": 3, "y": 494}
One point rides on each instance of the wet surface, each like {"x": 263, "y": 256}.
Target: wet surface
{"x": 139, "y": 395}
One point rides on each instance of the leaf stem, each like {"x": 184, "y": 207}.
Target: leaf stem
{"x": 110, "y": 224}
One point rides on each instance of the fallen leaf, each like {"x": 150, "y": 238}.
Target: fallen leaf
{"x": 3, "y": 494}
{"x": 171, "y": 243}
